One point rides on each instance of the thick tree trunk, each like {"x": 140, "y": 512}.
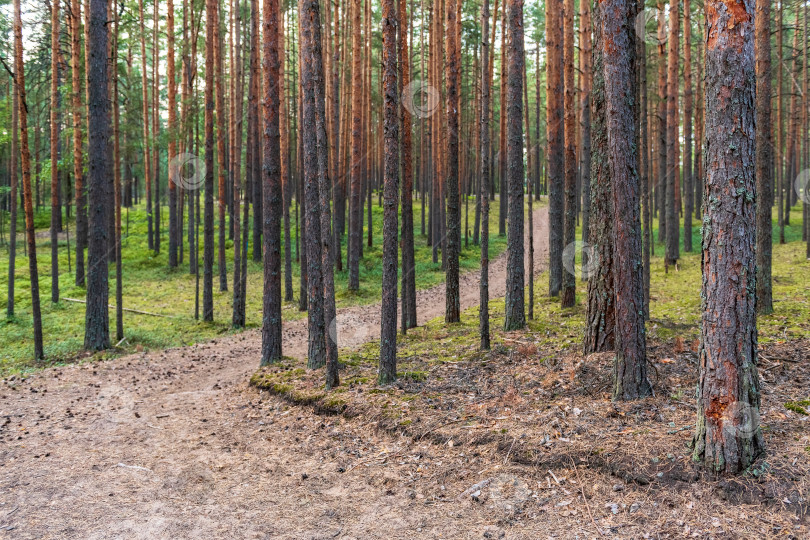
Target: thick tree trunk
{"x": 97, "y": 321}
{"x": 618, "y": 49}
{"x": 728, "y": 437}
{"x": 569, "y": 282}
{"x": 314, "y": 64}
{"x": 272, "y": 193}
{"x": 237, "y": 111}
{"x": 764, "y": 159}
{"x": 316, "y": 357}
{"x": 388, "y": 327}
{"x": 601, "y": 315}
{"x": 554, "y": 138}
{"x": 515, "y": 316}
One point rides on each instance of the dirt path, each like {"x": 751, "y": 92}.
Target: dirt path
{"x": 173, "y": 444}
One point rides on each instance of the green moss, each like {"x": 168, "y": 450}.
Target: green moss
{"x": 799, "y": 407}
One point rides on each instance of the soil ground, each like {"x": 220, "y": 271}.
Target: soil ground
{"x": 176, "y": 444}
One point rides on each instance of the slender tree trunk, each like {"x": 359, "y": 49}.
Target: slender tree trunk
{"x": 569, "y": 282}
{"x": 237, "y": 108}
{"x": 286, "y": 177}
{"x": 14, "y": 197}
{"x": 355, "y": 201}
{"x": 172, "y": 133}
{"x": 687, "y": 123}
{"x": 502, "y": 147}
{"x": 644, "y": 160}
{"x": 515, "y": 311}
{"x": 119, "y": 271}
{"x": 453, "y": 71}
{"x": 97, "y": 322}
{"x": 764, "y": 159}
{"x": 78, "y": 170}
{"x": 56, "y": 209}
{"x": 25, "y": 165}
{"x": 156, "y": 122}
{"x": 780, "y": 172}
{"x": 661, "y": 184}
{"x": 483, "y": 313}
{"x": 208, "y": 225}
{"x": 673, "y": 141}
{"x": 147, "y": 163}
{"x": 222, "y": 133}
{"x": 630, "y": 366}
{"x": 728, "y": 437}
{"x": 554, "y": 140}
{"x": 585, "y": 128}
{"x": 408, "y": 260}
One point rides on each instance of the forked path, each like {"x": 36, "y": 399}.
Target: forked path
{"x": 173, "y": 444}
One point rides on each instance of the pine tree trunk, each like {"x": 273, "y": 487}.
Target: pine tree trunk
{"x": 453, "y": 72}
{"x": 271, "y": 191}
{"x": 569, "y": 282}
{"x": 78, "y": 170}
{"x": 728, "y": 437}
{"x": 147, "y": 163}
{"x": 237, "y": 108}
{"x": 483, "y": 313}
{"x": 673, "y": 141}
{"x": 408, "y": 261}
{"x": 554, "y": 138}
{"x": 630, "y": 366}
{"x": 764, "y": 159}
{"x": 97, "y": 322}
{"x": 355, "y": 201}
{"x": 661, "y": 180}
{"x": 687, "y": 126}
{"x": 222, "y": 133}
{"x": 56, "y": 209}
{"x": 14, "y": 199}
{"x": 316, "y": 357}
{"x": 515, "y": 312}
{"x": 286, "y": 176}
{"x": 208, "y": 224}
{"x": 388, "y": 326}
{"x": 601, "y": 315}
{"x": 119, "y": 271}
{"x": 174, "y": 235}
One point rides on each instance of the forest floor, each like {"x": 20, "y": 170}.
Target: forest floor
{"x": 168, "y": 295}
{"x": 520, "y": 442}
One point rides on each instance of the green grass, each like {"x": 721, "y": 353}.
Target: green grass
{"x": 674, "y": 311}
{"x": 149, "y": 285}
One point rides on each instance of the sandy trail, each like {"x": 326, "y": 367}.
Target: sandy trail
{"x": 173, "y": 444}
